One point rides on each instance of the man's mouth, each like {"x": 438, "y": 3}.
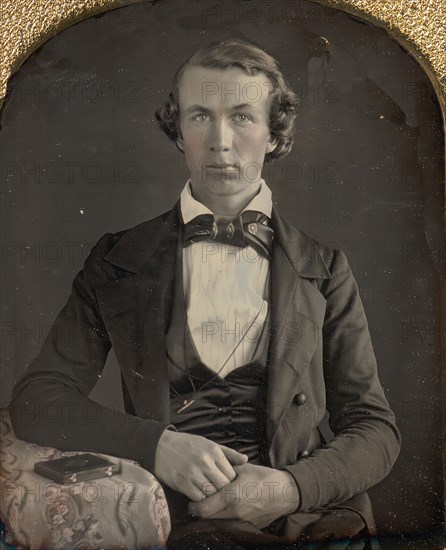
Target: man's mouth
{"x": 224, "y": 171}
{"x": 223, "y": 166}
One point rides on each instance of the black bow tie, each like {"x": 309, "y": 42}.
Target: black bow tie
{"x": 248, "y": 229}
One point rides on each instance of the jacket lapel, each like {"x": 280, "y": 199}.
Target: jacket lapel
{"x": 297, "y": 312}
{"x": 137, "y": 307}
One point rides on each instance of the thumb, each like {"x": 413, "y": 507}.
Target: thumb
{"x": 234, "y": 457}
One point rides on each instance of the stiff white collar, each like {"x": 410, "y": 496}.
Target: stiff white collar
{"x": 191, "y": 208}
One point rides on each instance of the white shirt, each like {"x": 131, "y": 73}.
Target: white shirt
{"x": 225, "y": 290}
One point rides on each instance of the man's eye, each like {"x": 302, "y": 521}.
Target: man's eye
{"x": 240, "y": 117}
{"x": 202, "y": 117}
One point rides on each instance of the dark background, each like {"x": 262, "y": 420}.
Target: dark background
{"x": 82, "y": 155}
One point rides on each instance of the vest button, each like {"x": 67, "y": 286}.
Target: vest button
{"x": 300, "y": 399}
{"x": 304, "y": 454}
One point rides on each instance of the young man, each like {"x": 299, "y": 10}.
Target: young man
{"x": 235, "y": 333}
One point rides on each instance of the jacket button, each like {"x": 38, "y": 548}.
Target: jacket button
{"x": 300, "y": 399}
{"x": 304, "y": 454}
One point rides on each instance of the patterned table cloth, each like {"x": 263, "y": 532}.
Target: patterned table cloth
{"x": 128, "y": 510}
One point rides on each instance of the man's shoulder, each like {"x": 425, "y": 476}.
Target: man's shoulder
{"x": 309, "y": 255}
{"x": 123, "y": 252}
{"x": 143, "y": 228}
{"x": 327, "y": 250}
{"x": 139, "y": 232}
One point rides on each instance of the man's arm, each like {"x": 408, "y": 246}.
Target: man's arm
{"x": 50, "y": 404}
{"x": 366, "y": 440}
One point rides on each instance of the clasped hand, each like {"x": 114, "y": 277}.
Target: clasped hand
{"x": 220, "y": 483}
{"x": 258, "y": 494}
{"x": 194, "y": 465}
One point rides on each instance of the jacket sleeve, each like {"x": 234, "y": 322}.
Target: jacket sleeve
{"x": 50, "y": 404}
{"x": 366, "y": 440}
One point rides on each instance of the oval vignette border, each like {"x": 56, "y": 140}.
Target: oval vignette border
{"x": 417, "y": 25}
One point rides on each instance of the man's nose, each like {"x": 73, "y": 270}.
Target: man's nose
{"x": 221, "y": 136}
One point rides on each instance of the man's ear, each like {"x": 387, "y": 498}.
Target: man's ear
{"x": 271, "y": 145}
{"x": 180, "y": 141}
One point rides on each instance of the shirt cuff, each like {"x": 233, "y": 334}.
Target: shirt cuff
{"x": 299, "y": 491}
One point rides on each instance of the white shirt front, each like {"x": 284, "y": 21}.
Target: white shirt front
{"x": 225, "y": 290}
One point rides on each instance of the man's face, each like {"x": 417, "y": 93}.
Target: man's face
{"x": 224, "y": 121}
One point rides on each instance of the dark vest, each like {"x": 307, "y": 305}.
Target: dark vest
{"x": 231, "y": 410}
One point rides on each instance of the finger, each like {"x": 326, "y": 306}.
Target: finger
{"x": 231, "y": 511}
{"x": 207, "y": 507}
{"x": 206, "y": 486}
{"x": 234, "y": 457}
{"x": 227, "y": 471}
{"x": 193, "y": 492}
{"x": 220, "y": 472}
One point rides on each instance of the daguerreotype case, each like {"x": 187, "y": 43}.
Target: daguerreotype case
{"x": 73, "y": 469}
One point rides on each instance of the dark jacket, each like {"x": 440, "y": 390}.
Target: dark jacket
{"x": 320, "y": 359}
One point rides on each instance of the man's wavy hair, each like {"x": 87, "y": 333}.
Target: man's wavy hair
{"x": 237, "y": 53}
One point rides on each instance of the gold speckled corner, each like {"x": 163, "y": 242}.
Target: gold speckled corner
{"x": 27, "y": 24}
{"x": 416, "y": 24}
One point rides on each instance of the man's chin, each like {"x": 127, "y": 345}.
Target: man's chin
{"x": 224, "y": 182}
{"x": 224, "y": 176}
{"x": 228, "y": 187}
{"x": 227, "y": 184}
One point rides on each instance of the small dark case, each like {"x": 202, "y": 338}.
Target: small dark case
{"x": 74, "y": 469}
